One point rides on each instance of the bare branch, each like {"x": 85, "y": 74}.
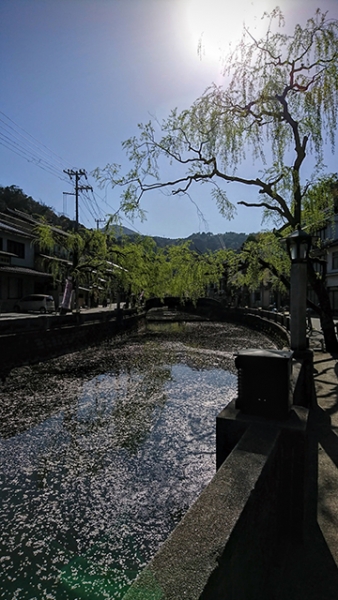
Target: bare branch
{"x": 263, "y": 205}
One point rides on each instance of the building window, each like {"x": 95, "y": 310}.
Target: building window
{"x": 17, "y": 248}
{"x": 333, "y": 293}
{"x": 334, "y": 261}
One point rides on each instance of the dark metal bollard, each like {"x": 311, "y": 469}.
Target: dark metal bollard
{"x": 264, "y": 382}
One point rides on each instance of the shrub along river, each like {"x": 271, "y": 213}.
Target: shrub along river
{"x": 102, "y": 453}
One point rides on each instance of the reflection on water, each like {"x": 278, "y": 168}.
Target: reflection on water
{"x": 89, "y": 493}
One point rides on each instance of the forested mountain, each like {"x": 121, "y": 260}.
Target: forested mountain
{"x": 13, "y": 197}
{"x": 202, "y": 242}
{"x": 199, "y": 242}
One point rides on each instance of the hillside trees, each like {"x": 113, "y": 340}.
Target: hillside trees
{"x": 277, "y": 109}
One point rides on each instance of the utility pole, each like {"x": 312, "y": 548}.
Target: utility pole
{"x": 99, "y": 221}
{"x": 77, "y": 174}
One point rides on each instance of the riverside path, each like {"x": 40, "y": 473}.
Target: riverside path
{"x": 310, "y": 570}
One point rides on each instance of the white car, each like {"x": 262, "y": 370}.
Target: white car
{"x": 36, "y": 303}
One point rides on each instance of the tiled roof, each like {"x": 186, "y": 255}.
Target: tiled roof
{"x": 23, "y": 271}
{"x": 56, "y": 258}
{"x": 3, "y": 253}
{"x": 11, "y": 229}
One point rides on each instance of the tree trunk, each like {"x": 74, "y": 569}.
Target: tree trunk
{"x": 325, "y": 312}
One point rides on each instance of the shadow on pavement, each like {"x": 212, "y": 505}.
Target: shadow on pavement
{"x": 308, "y": 570}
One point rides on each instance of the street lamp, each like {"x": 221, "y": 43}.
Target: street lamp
{"x": 298, "y": 245}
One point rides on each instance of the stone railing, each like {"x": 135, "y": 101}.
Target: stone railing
{"x": 282, "y": 319}
{"x": 275, "y": 325}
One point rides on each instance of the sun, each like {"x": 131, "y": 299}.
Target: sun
{"x": 212, "y": 25}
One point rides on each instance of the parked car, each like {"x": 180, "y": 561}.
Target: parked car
{"x": 36, "y": 303}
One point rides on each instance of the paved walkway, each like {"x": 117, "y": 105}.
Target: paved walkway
{"x": 309, "y": 571}
{"x": 98, "y": 309}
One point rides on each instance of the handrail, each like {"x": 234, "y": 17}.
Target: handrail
{"x": 282, "y": 319}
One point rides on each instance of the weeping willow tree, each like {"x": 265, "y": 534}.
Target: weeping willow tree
{"x": 82, "y": 255}
{"x": 133, "y": 267}
{"x": 89, "y": 246}
{"x": 277, "y": 112}
{"x": 169, "y": 271}
{"x": 320, "y": 203}
{"x": 188, "y": 274}
{"x": 264, "y": 262}
{"x": 51, "y": 241}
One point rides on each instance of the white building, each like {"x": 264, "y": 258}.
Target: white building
{"x": 18, "y": 275}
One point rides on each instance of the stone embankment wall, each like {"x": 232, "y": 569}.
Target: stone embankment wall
{"x": 30, "y": 340}
{"x": 275, "y": 325}
{"x": 228, "y": 543}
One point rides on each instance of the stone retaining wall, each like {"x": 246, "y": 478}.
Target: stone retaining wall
{"x": 30, "y": 340}
{"x": 274, "y": 325}
{"x": 225, "y": 546}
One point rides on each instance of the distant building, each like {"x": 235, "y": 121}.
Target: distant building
{"x": 23, "y": 269}
{"x": 328, "y": 260}
{"x": 18, "y": 275}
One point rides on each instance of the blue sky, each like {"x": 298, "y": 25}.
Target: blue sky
{"x": 77, "y": 76}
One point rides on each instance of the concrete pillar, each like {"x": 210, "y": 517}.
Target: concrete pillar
{"x": 298, "y": 306}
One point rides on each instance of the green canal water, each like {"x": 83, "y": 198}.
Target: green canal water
{"x": 102, "y": 453}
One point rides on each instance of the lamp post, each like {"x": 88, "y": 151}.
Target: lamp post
{"x": 298, "y": 245}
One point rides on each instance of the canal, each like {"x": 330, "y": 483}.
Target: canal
{"x": 102, "y": 453}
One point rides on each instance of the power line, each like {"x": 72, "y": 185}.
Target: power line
{"x": 87, "y": 205}
{"x": 33, "y": 151}
{"x": 95, "y": 211}
{"x": 132, "y": 226}
{"x": 96, "y": 202}
{"x": 36, "y": 142}
{"x": 32, "y": 146}
{"x": 29, "y": 148}
{"x": 87, "y": 218}
{"x": 27, "y": 155}
{"x": 101, "y": 212}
